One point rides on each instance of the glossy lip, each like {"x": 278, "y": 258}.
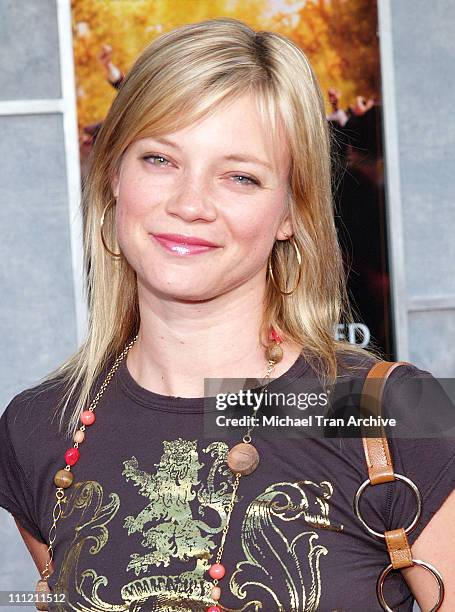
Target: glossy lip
{"x": 184, "y": 245}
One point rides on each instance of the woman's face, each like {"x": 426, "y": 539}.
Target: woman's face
{"x": 221, "y": 180}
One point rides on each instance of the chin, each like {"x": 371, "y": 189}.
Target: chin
{"x": 187, "y": 289}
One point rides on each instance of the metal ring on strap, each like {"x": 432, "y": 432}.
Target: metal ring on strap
{"x": 407, "y": 481}
{"x": 427, "y": 566}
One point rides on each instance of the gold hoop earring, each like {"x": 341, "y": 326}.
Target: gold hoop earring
{"x": 299, "y": 260}
{"x": 115, "y": 255}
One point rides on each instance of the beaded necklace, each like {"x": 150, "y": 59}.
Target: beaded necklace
{"x": 242, "y": 459}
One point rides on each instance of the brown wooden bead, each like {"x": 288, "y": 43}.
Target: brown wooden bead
{"x": 79, "y": 436}
{"x": 274, "y": 352}
{"x": 63, "y": 478}
{"x": 216, "y": 593}
{"x": 243, "y": 458}
{"x": 42, "y": 586}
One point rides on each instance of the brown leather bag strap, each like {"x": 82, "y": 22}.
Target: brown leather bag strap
{"x": 380, "y": 469}
{"x": 376, "y": 447}
{"x": 377, "y": 453}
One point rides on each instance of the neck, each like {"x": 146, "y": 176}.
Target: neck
{"x": 181, "y": 343}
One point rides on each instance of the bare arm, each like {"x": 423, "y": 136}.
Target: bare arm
{"x": 435, "y": 545}
{"x": 37, "y": 549}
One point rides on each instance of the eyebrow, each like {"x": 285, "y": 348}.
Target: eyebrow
{"x": 232, "y": 157}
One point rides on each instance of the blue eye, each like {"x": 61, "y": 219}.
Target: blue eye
{"x": 248, "y": 178}
{"x": 155, "y": 157}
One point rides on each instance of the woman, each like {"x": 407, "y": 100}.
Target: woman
{"x": 210, "y": 236}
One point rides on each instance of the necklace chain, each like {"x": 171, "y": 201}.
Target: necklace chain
{"x": 246, "y": 440}
{"x": 60, "y": 491}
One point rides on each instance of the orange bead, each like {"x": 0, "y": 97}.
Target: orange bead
{"x": 79, "y": 436}
{"x": 217, "y": 571}
{"x": 88, "y": 417}
{"x": 216, "y": 593}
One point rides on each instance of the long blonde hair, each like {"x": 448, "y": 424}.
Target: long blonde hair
{"x": 182, "y": 76}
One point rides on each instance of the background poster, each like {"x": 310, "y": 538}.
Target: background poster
{"x": 340, "y": 39}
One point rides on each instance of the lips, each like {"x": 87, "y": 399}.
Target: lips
{"x": 184, "y": 245}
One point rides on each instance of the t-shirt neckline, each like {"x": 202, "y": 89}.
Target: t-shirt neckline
{"x": 169, "y": 403}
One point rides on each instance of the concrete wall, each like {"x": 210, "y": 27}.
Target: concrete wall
{"x": 38, "y": 305}
{"x": 418, "y": 55}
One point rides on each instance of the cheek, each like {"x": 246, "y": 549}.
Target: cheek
{"x": 134, "y": 199}
{"x": 256, "y": 225}
{"x": 133, "y": 207}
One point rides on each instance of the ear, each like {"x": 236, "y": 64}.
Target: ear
{"x": 285, "y": 229}
{"x": 115, "y": 185}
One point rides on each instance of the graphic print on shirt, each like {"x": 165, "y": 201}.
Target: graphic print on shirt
{"x": 181, "y": 520}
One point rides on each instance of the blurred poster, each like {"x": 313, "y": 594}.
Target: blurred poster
{"x": 340, "y": 39}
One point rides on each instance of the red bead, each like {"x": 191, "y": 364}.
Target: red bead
{"x": 276, "y": 336}
{"x": 72, "y": 456}
{"x": 88, "y": 417}
{"x": 217, "y": 571}
{"x": 214, "y": 609}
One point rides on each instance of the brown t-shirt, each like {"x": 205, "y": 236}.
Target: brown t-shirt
{"x": 145, "y": 514}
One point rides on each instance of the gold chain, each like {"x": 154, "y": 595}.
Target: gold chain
{"x": 228, "y": 518}
{"x": 246, "y": 439}
{"x": 56, "y": 513}
{"x": 270, "y": 368}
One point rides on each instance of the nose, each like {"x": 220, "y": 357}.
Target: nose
{"x": 192, "y": 201}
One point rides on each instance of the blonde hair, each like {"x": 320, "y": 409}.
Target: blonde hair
{"x": 182, "y": 76}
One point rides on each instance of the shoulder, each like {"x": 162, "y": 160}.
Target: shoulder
{"x": 35, "y": 398}
{"x": 352, "y": 363}
{"x": 416, "y": 397}
{"x": 357, "y": 365}
{"x": 30, "y": 445}
{"x": 30, "y": 412}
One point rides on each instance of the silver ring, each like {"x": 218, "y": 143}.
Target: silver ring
{"x": 407, "y": 481}
{"x": 428, "y": 566}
